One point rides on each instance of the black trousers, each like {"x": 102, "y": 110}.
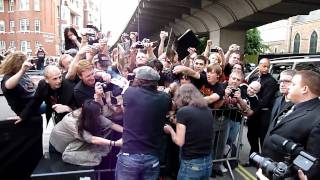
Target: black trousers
{"x": 257, "y": 129}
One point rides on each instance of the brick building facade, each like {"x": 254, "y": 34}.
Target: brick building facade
{"x": 298, "y": 34}
{"x": 27, "y": 23}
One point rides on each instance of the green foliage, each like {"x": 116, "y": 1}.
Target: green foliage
{"x": 254, "y": 44}
{"x": 251, "y": 58}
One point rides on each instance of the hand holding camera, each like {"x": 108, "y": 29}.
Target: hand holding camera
{"x": 232, "y": 92}
{"x": 98, "y": 88}
{"x": 133, "y": 36}
{"x": 73, "y": 38}
{"x": 163, "y": 35}
{"x": 26, "y": 66}
{"x": 234, "y": 47}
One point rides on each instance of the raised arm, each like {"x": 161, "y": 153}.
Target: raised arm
{"x": 72, "y": 71}
{"x": 186, "y": 70}
{"x": 163, "y": 36}
{"x": 206, "y": 52}
{"x": 13, "y": 81}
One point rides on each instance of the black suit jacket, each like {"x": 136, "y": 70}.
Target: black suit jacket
{"x": 279, "y": 105}
{"x": 302, "y": 126}
{"x": 43, "y": 93}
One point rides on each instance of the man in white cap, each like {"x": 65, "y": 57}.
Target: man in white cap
{"x": 145, "y": 110}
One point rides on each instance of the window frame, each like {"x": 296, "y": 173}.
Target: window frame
{"x": 11, "y": 5}
{"x": 313, "y": 42}
{"x": 36, "y": 5}
{"x": 2, "y": 26}
{"x": 24, "y": 5}
{"x": 12, "y": 26}
{"x": 2, "y": 7}
{"x": 24, "y": 23}
{"x": 37, "y": 22}
{"x": 296, "y": 43}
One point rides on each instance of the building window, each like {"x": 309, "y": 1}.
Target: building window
{"x": 24, "y": 4}
{"x": 2, "y": 26}
{"x": 25, "y": 46}
{"x": 36, "y": 5}
{"x": 313, "y": 43}
{"x": 37, "y": 44}
{"x": 24, "y": 25}
{"x": 296, "y": 44}
{"x": 11, "y": 5}
{"x": 11, "y": 26}
{"x": 1, "y": 6}
{"x": 12, "y": 44}
{"x": 2, "y": 44}
{"x": 37, "y": 25}
{"x": 77, "y": 20}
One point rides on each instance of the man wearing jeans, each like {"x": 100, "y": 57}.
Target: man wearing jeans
{"x": 145, "y": 110}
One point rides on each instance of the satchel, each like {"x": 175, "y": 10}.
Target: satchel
{"x": 84, "y": 154}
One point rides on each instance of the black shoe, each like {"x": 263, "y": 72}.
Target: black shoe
{"x": 217, "y": 172}
{"x": 248, "y": 164}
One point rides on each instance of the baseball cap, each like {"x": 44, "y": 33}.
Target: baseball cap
{"x": 103, "y": 60}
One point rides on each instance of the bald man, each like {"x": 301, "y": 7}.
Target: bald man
{"x": 56, "y": 92}
{"x": 266, "y": 95}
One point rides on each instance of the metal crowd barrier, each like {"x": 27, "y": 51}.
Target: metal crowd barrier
{"x": 223, "y": 118}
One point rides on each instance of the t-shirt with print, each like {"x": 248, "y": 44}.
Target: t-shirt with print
{"x": 19, "y": 96}
{"x": 208, "y": 89}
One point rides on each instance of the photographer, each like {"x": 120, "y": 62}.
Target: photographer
{"x": 41, "y": 55}
{"x": 301, "y": 124}
{"x": 87, "y": 87}
{"x": 71, "y": 39}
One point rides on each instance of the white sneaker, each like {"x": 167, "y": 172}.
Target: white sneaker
{"x": 223, "y": 169}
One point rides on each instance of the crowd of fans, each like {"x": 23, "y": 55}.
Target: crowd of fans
{"x": 152, "y": 100}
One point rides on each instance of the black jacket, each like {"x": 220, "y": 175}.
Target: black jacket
{"x": 63, "y": 95}
{"x": 302, "y": 126}
{"x": 269, "y": 87}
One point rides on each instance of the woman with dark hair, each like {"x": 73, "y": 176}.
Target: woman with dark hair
{"x": 194, "y": 132}
{"x": 80, "y": 135}
{"x": 71, "y": 39}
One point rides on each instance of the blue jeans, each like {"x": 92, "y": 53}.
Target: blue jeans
{"x": 233, "y": 132}
{"x": 137, "y": 167}
{"x": 196, "y": 169}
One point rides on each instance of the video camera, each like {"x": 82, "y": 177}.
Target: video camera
{"x": 91, "y": 30}
{"x": 281, "y": 170}
{"x": 233, "y": 91}
{"x": 141, "y": 44}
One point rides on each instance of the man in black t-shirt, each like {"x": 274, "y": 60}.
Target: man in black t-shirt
{"x": 145, "y": 111}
